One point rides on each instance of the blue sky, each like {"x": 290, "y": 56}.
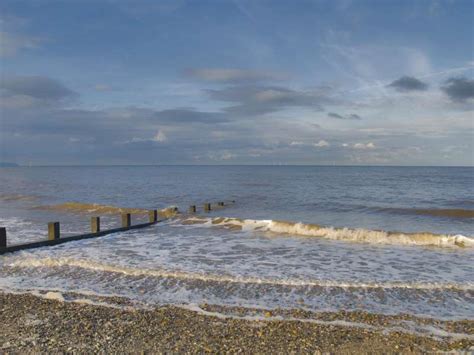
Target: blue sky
{"x": 237, "y": 82}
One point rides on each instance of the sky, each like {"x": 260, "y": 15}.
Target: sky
{"x": 307, "y": 82}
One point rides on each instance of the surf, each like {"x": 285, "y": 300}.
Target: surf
{"x": 360, "y": 235}
{"x": 51, "y": 262}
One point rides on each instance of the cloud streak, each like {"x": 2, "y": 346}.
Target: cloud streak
{"x": 259, "y": 100}
{"x": 351, "y": 116}
{"x": 407, "y": 84}
{"x": 459, "y": 89}
{"x": 36, "y": 87}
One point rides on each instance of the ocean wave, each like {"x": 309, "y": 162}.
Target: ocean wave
{"x": 435, "y": 212}
{"x": 33, "y": 262}
{"x": 17, "y": 197}
{"x": 457, "y": 213}
{"x": 100, "y": 209}
{"x": 343, "y": 234}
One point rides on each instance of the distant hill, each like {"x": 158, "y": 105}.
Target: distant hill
{"x": 7, "y": 165}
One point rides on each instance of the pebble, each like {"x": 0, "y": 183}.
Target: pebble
{"x": 70, "y": 327}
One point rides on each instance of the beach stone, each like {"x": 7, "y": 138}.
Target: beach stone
{"x": 86, "y": 328}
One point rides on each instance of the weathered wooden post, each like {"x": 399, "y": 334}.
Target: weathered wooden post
{"x": 152, "y": 216}
{"x": 95, "y": 224}
{"x": 192, "y": 209}
{"x": 207, "y": 207}
{"x": 220, "y": 203}
{"x": 3, "y": 237}
{"x": 126, "y": 220}
{"x": 53, "y": 230}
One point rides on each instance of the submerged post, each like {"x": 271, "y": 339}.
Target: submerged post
{"x": 3, "y": 237}
{"x": 192, "y": 209}
{"x": 95, "y": 224}
{"x": 152, "y": 216}
{"x": 207, "y": 207}
{"x": 220, "y": 203}
{"x": 126, "y": 220}
{"x": 53, "y": 230}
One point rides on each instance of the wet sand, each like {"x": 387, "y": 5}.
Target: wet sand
{"x": 33, "y": 324}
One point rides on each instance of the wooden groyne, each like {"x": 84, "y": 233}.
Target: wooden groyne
{"x": 54, "y": 230}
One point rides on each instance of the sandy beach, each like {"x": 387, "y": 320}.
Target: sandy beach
{"x": 35, "y": 324}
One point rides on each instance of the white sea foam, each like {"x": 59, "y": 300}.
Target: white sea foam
{"x": 343, "y": 234}
{"x": 57, "y": 296}
{"x": 81, "y": 297}
{"x": 410, "y": 327}
{"x": 20, "y": 230}
{"x": 32, "y": 262}
{"x": 403, "y": 326}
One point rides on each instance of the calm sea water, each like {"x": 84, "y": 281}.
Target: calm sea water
{"x": 350, "y": 261}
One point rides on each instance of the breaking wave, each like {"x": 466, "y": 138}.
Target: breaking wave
{"x": 32, "y": 262}
{"x": 344, "y": 234}
{"x": 95, "y": 208}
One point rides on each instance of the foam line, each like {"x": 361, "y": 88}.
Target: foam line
{"x": 344, "y": 234}
{"x": 32, "y": 262}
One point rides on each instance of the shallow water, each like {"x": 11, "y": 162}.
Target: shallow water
{"x": 254, "y": 263}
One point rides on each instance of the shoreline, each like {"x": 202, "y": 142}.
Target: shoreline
{"x": 36, "y": 324}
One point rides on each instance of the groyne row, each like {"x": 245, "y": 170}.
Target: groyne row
{"x": 54, "y": 228}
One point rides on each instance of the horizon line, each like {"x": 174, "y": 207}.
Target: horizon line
{"x": 273, "y": 165}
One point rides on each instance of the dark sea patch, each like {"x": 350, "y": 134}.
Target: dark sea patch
{"x": 435, "y": 212}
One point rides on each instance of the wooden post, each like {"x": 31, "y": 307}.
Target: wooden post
{"x": 192, "y": 209}
{"x": 95, "y": 224}
{"x": 220, "y": 203}
{"x": 53, "y": 230}
{"x": 152, "y": 216}
{"x": 3, "y": 237}
{"x": 126, "y": 220}
{"x": 207, "y": 207}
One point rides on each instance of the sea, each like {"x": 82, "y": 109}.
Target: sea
{"x": 385, "y": 240}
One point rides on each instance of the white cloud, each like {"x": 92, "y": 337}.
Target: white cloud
{"x": 222, "y": 155}
{"x": 296, "y": 143}
{"x": 322, "y": 143}
{"x": 369, "y": 145}
{"x": 160, "y": 137}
